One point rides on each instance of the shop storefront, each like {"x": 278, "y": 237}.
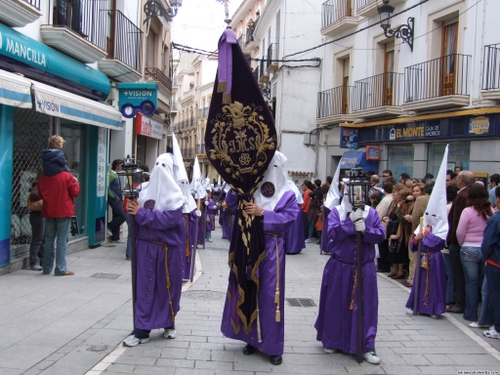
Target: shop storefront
{"x": 149, "y": 135}
{"x": 44, "y": 92}
{"x": 417, "y": 147}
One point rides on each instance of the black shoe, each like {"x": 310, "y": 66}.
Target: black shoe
{"x": 249, "y": 349}
{"x": 276, "y": 359}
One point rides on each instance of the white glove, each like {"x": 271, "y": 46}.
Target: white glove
{"x": 356, "y": 215}
{"x": 206, "y": 203}
{"x": 360, "y": 226}
{"x": 198, "y": 213}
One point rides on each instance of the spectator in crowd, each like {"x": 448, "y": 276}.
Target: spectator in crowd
{"x": 494, "y": 180}
{"x": 451, "y": 194}
{"x": 210, "y": 216}
{"x": 450, "y": 178}
{"x": 375, "y": 199}
{"x": 490, "y": 250}
{"x": 329, "y": 180}
{"x": 53, "y": 159}
{"x": 115, "y": 201}
{"x": 317, "y": 191}
{"x": 57, "y": 191}
{"x": 458, "y": 170}
{"x": 470, "y": 236}
{"x": 37, "y": 221}
{"x": 464, "y": 180}
{"x": 306, "y": 188}
{"x": 159, "y": 228}
{"x": 383, "y": 264}
{"x": 428, "y": 176}
{"x": 385, "y": 175}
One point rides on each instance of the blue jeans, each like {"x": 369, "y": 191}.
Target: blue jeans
{"x": 486, "y": 317}
{"x": 474, "y": 272}
{"x": 118, "y": 218}
{"x": 312, "y": 224}
{"x": 56, "y": 230}
{"x": 493, "y": 276}
{"x": 450, "y": 287}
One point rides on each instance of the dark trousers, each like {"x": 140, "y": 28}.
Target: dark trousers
{"x": 306, "y": 224}
{"x": 382, "y": 263}
{"x": 458, "y": 275}
{"x": 37, "y": 222}
{"x": 493, "y": 277}
{"x": 118, "y": 218}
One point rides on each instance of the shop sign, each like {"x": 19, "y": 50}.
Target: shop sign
{"x": 348, "y": 137}
{"x": 148, "y": 127}
{"x": 411, "y": 131}
{"x": 21, "y": 50}
{"x": 372, "y": 152}
{"x": 433, "y": 130}
{"x": 139, "y": 96}
{"x": 479, "y": 125}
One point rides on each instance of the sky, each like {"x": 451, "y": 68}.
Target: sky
{"x": 200, "y": 23}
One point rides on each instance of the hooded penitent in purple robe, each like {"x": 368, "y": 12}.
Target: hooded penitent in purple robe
{"x": 202, "y": 226}
{"x": 159, "y": 242}
{"x": 294, "y": 237}
{"x": 337, "y": 319}
{"x": 275, "y": 223}
{"x": 226, "y": 220}
{"x": 210, "y": 214}
{"x": 324, "y": 233}
{"x": 189, "y": 221}
{"x": 432, "y": 279}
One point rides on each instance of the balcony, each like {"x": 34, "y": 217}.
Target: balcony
{"x": 241, "y": 41}
{"x": 272, "y": 57}
{"x": 78, "y": 29}
{"x": 124, "y": 47}
{"x": 437, "y": 83}
{"x": 378, "y": 96}
{"x": 264, "y": 75}
{"x": 337, "y": 16}
{"x": 334, "y": 106}
{"x": 369, "y": 8}
{"x": 256, "y": 73}
{"x": 491, "y": 72}
{"x": 156, "y": 75}
{"x": 18, "y": 13}
{"x": 200, "y": 150}
{"x": 203, "y": 112}
{"x": 250, "y": 42}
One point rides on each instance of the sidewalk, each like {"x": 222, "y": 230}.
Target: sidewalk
{"x": 75, "y": 325}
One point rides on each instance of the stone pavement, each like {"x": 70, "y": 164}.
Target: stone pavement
{"x": 74, "y": 325}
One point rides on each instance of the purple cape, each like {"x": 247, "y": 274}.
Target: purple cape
{"x": 158, "y": 234}
{"x": 294, "y": 237}
{"x": 336, "y": 323}
{"x": 187, "y": 250}
{"x": 272, "y": 332}
{"x": 432, "y": 282}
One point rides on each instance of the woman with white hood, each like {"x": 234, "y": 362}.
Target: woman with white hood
{"x": 159, "y": 241}
{"x": 276, "y": 206}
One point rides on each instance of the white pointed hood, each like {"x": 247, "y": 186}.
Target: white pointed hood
{"x": 333, "y": 196}
{"x": 274, "y": 184}
{"x": 180, "y": 176}
{"x": 436, "y": 214}
{"x": 295, "y": 189}
{"x": 196, "y": 184}
{"x": 162, "y": 187}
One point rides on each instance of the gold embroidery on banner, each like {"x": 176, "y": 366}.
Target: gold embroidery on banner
{"x": 249, "y": 134}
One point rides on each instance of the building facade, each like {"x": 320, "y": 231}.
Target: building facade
{"x": 402, "y": 99}
{"x": 60, "y": 62}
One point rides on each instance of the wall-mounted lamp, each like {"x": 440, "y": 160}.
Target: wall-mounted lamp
{"x": 155, "y": 8}
{"x": 404, "y": 31}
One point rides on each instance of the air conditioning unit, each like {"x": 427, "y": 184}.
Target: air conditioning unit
{"x": 307, "y": 139}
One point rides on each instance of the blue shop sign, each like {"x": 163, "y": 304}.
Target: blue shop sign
{"x": 453, "y": 127}
{"x": 21, "y": 54}
{"x": 141, "y": 96}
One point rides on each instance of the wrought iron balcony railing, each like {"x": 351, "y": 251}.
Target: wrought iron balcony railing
{"x": 272, "y": 54}
{"x": 334, "y": 10}
{"x": 86, "y": 18}
{"x": 35, "y": 3}
{"x": 446, "y": 75}
{"x": 125, "y": 41}
{"x": 334, "y": 101}
{"x": 362, "y": 3}
{"x": 384, "y": 89}
{"x": 155, "y": 74}
{"x": 491, "y": 67}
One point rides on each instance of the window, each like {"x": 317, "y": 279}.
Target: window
{"x": 400, "y": 159}
{"x": 458, "y": 156}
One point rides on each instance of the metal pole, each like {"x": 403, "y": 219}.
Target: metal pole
{"x": 416, "y": 278}
{"x": 133, "y": 260}
{"x": 359, "y": 299}
{"x": 195, "y": 244}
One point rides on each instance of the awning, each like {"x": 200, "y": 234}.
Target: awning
{"x": 357, "y": 159}
{"x": 15, "y": 90}
{"x": 60, "y": 103}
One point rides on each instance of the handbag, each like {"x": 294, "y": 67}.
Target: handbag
{"x": 393, "y": 246}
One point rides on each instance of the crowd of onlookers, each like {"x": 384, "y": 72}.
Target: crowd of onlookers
{"x": 400, "y": 202}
